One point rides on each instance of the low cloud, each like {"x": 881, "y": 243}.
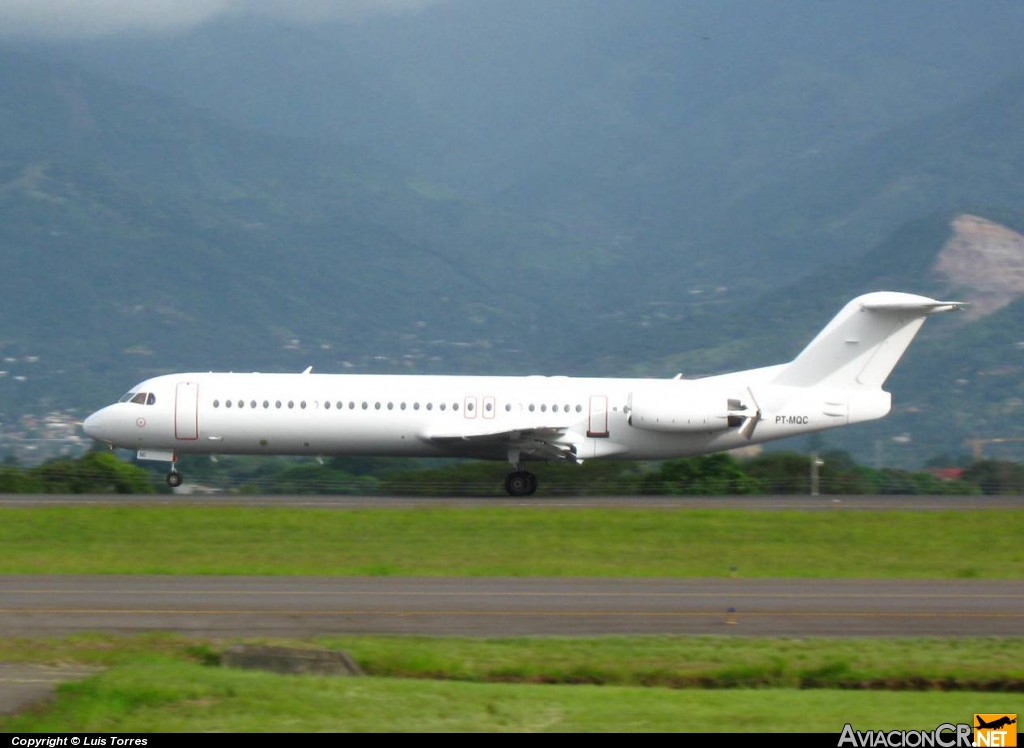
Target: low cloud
{"x": 90, "y": 18}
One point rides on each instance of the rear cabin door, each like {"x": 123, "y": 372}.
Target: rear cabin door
{"x": 597, "y": 426}
{"x": 186, "y": 411}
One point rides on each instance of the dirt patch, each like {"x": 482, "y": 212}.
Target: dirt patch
{"x": 290, "y": 660}
{"x": 985, "y": 258}
{"x": 22, "y": 685}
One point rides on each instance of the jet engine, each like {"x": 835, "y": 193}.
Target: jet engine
{"x": 692, "y": 411}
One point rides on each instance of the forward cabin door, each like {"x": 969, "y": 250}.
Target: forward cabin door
{"x": 597, "y": 425}
{"x": 186, "y": 411}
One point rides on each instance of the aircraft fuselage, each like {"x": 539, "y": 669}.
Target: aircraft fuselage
{"x": 835, "y": 381}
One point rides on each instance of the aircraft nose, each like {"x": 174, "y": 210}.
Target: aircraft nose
{"x": 100, "y": 425}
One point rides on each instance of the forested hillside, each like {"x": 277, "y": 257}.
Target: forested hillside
{"x": 590, "y": 189}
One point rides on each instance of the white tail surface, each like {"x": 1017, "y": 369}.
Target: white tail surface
{"x": 862, "y": 344}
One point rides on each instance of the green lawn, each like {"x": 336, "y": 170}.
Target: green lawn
{"x": 158, "y": 683}
{"x": 511, "y": 542}
{"x": 718, "y": 684}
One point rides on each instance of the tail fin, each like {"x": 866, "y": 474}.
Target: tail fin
{"x": 862, "y": 344}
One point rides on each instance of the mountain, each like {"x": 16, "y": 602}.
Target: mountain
{"x": 961, "y": 379}
{"x": 142, "y": 235}
{"x": 647, "y": 188}
{"x": 706, "y": 138}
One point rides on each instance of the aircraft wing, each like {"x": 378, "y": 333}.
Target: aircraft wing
{"x": 538, "y": 442}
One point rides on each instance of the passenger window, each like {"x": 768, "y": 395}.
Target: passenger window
{"x": 291, "y": 404}
{"x": 266, "y": 404}
{"x": 340, "y": 405}
{"x": 216, "y": 403}
{"x": 241, "y": 403}
{"x": 327, "y": 404}
{"x": 277, "y": 404}
{"x": 303, "y": 405}
{"x": 252, "y": 404}
{"x": 227, "y": 403}
{"x": 391, "y": 406}
{"x": 455, "y": 406}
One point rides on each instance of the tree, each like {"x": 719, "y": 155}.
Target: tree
{"x": 996, "y": 476}
{"x": 96, "y": 472}
{"x": 708, "y": 475}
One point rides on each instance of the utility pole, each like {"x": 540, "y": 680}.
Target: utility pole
{"x": 816, "y": 463}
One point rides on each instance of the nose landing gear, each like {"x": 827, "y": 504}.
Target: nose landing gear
{"x": 174, "y": 478}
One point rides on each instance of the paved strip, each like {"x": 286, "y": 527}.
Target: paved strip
{"x": 746, "y": 503}
{"x": 22, "y": 685}
{"x": 302, "y": 606}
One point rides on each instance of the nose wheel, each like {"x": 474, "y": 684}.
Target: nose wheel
{"x": 174, "y": 479}
{"x": 521, "y": 483}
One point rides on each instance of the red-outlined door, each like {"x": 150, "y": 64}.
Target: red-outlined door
{"x": 186, "y": 411}
{"x": 597, "y": 425}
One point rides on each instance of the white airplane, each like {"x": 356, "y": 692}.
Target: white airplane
{"x": 836, "y": 380}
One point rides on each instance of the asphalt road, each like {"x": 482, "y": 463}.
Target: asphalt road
{"x": 290, "y": 606}
{"x": 303, "y": 606}
{"x": 748, "y": 503}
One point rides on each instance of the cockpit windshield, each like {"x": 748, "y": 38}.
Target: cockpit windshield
{"x": 140, "y": 398}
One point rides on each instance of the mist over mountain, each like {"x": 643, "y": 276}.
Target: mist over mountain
{"x": 643, "y": 125}
{"x": 579, "y": 188}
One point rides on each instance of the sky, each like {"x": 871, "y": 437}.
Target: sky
{"x": 91, "y": 18}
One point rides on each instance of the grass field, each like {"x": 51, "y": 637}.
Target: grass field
{"x": 511, "y": 542}
{"x": 171, "y": 683}
{"x": 693, "y": 684}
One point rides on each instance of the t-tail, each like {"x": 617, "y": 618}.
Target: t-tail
{"x": 856, "y": 352}
{"x": 863, "y": 343}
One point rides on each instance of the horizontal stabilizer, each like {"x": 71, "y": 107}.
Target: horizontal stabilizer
{"x": 928, "y": 307}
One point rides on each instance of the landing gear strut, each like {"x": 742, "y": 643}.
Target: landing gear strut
{"x": 521, "y": 483}
{"x": 174, "y": 478}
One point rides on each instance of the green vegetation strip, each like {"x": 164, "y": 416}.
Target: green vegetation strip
{"x": 511, "y": 542}
{"x": 172, "y": 683}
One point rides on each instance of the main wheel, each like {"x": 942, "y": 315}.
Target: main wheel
{"x": 521, "y": 483}
{"x": 174, "y": 479}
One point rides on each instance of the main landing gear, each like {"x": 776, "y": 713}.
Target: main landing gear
{"x": 521, "y": 483}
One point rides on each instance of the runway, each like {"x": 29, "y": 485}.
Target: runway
{"x": 304, "y": 606}
{"x": 473, "y": 606}
{"x": 829, "y": 503}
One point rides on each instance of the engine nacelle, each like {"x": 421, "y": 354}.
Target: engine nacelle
{"x": 685, "y": 411}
